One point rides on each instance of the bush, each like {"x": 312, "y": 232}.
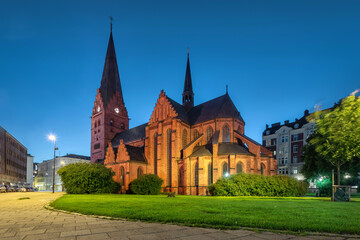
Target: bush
{"x": 80, "y": 178}
{"x": 258, "y": 185}
{"x": 147, "y": 184}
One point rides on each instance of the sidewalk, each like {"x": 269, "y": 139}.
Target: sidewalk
{"x": 27, "y": 219}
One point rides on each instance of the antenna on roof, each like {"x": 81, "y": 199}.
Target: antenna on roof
{"x": 111, "y": 21}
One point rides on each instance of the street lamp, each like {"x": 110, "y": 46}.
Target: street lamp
{"x": 53, "y": 138}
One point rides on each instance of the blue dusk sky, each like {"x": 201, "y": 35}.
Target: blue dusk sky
{"x": 278, "y": 58}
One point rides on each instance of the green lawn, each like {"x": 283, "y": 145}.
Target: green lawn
{"x": 294, "y": 214}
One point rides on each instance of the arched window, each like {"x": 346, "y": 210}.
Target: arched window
{"x": 210, "y": 175}
{"x": 139, "y": 172}
{"x": 225, "y": 169}
{"x": 184, "y": 138}
{"x": 226, "y": 134}
{"x": 122, "y": 176}
{"x": 155, "y": 153}
{"x": 111, "y": 122}
{"x": 196, "y": 134}
{"x": 262, "y": 168}
{"x": 196, "y": 175}
{"x": 239, "y": 168}
{"x": 168, "y": 136}
{"x": 122, "y": 126}
{"x": 209, "y": 134}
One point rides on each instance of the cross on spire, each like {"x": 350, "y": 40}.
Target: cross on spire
{"x": 111, "y": 21}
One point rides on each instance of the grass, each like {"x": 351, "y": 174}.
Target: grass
{"x": 290, "y": 214}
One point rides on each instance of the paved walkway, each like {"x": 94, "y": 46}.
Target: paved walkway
{"x": 28, "y": 219}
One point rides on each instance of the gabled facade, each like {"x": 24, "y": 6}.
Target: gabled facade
{"x": 189, "y": 146}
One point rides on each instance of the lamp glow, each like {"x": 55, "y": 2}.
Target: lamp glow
{"x": 227, "y": 174}
{"x": 52, "y": 137}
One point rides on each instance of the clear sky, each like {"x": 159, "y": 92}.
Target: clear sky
{"x": 278, "y": 58}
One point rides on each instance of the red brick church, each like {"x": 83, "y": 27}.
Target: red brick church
{"x": 189, "y": 146}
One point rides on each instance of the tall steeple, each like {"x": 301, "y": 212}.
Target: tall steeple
{"x": 188, "y": 94}
{"x": 110, "y": 82}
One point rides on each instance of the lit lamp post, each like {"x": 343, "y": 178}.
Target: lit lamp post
{"x": 53, "y": 138}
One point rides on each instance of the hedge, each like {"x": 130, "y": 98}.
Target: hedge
{"x": 147, "y": 184}
{"x": 80, "y": 178}
{"x": 257, "y": 185}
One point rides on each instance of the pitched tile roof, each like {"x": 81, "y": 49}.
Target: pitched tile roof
{"x": 220, "y": 107}
{"x": 201, "y": 151}
{"x": 136, "y": 153}
{"x": 232, "y": 148}
{"x": 130, "y": 135}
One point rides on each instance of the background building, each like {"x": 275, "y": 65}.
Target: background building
{"x": 13, "y": 159}
{"x": 286, "y": 142}
{"x": 30, "y": 171}
{"x": 44, "y": 179}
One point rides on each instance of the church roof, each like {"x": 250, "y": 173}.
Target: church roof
{"x": 201, "y": 151}
{"x": 136, "y": 153}
{"x": 110, "y": 81}
{"x": 232, "y": 148}
{"x": 130, "y": 135}
{"x": 220, "y": 107}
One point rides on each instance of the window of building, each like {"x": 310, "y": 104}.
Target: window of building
{"x": 296, "y": 125}
{"x": 196, "y": 134}
{"x": 295, "y": 171}
{"x": 267, "y": 132}
{"x": 209, "y": 134}
{"x": 122, "y": 126}
{"x": 286, "y": 138}
{"x": 111, "y": 122}
{"x": 295, "y": 148}
{"x": 226, "y": 134}
{"x": 210, "y": 177}
{"x": 97, "y": 146}
{"x": 155, "y": 153}
{"x": 196, "y": 175}
{"x": 184, "y": 138}
{"x": 286, "y": 160}
{"x": 282, "y": 139}
{"x": 239, "y": 168}
{"x": 122, "y": 176}
{"x": 139, "y": 172}
{"x": 295, "y": 159}
{"x": 225, "y": 169}
{"x": 262, "y": 168}
{"x": 295, "y": 137}
{"x": 168, "y": 135}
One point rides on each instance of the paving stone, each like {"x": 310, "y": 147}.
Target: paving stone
{"x": 75, "y": 233}
{"x": 221, "y": 235}
{"x": 98, "y": 236}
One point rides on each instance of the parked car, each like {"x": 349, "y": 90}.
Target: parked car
{"x": 23, "y": 189}
{"x": 11, "y": 189}
{"x": 3, "y": 189}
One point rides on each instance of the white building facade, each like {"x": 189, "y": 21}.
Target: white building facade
{"x": 286, "y": 142}
{"x": 44, "y": 178}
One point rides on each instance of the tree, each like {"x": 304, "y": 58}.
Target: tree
{"x": 337, "y": 138}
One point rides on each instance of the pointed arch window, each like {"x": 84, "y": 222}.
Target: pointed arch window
{"x": 111, "y": 122}
{"x": 155, "y": 153}
{"x": 196, "y": 175}
{"x": 122, "y": 176}
{"x": 184, "y": 138}
{"x": 168, "y": 136}
{"x": 239, "y": 168}
{"x": 139, "y": 172}
{"x": 196, "y": 134}
{"x": 225, "y": 169}
{"x": 210, "y": 175}
{"x": 226, "y": 134}
{"x": 262, "y": 168}
{"x": 209, "y": 134}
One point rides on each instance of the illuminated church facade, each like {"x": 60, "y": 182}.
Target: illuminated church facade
{"x": 189, "y": 146}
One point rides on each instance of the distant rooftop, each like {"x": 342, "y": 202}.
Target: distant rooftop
{"x": 75, "y": 156}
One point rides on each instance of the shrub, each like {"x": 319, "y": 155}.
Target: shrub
{"x": 80, "y": 178}
{"x": 258, "y": 185}
{"x": 147, "y": 184}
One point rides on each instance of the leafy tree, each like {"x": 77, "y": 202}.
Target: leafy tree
{"x": 337, "y": 138}
{"x": 80, "y": 178}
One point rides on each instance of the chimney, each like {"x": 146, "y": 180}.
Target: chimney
{"x": 306, "y": 112}
{"x": 286, "y": 122}
{"x": 267, "y": 126}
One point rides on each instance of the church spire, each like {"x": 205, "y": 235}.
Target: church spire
{"x": 188, "y": 94}
{"x": 110, "y": 82}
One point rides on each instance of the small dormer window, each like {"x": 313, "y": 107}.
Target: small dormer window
{"x": 267, "y": 132}
{"x": 296, "y": 125}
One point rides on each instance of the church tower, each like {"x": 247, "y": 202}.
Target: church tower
{"x": 188, "y": 94}
{"x": 109, "y": 115}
